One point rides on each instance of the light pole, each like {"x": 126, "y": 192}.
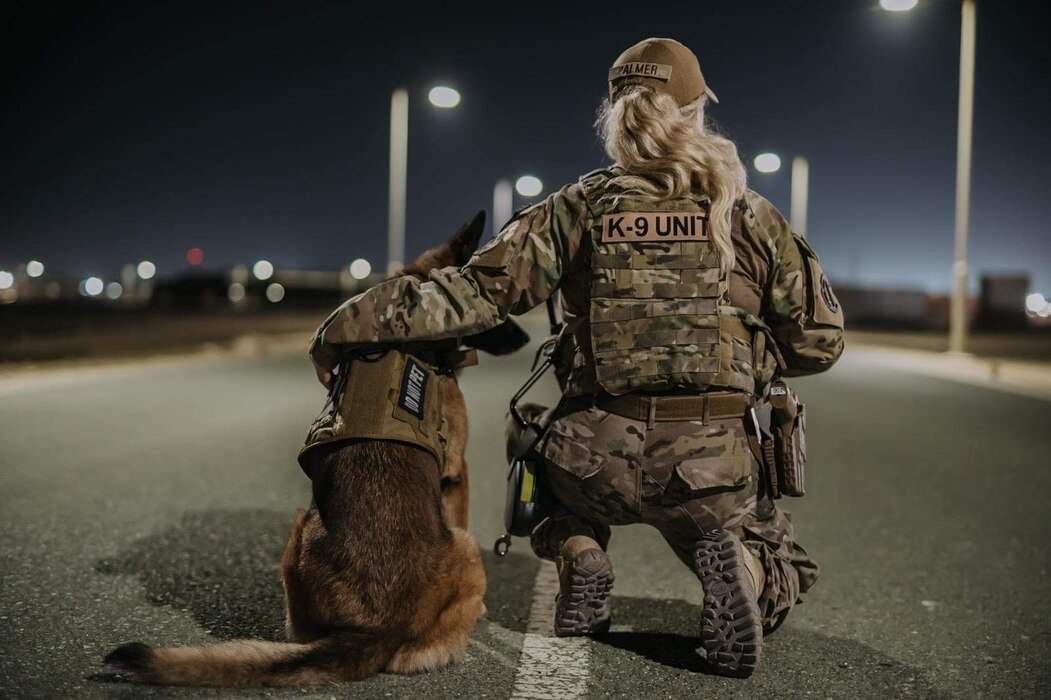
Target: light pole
{"x": 503, "y": 204}
{"x": 504, "y": 194}
{"x": 443, "y": 97}
{"x": 771, "y": 163}
{"x": 964, "y": 131}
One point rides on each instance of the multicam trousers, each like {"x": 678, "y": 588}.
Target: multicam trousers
{"x": 683, "y": 478}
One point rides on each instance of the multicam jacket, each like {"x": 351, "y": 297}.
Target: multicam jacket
{"x": 777, "y": 281}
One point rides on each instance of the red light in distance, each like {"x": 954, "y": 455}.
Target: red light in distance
{"x": 195, "y": 256}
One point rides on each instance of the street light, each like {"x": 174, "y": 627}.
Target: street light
{"x": 771, "y": 163}
{"x": 898, "y": 5}
{"x": 504, "y": 197}
{"x": 964, "y": 129}
{"x": 443, "y": 97}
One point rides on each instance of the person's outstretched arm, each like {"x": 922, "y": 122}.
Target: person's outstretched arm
{"x": 517, "y": 270}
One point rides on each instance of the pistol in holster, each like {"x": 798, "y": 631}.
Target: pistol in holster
{"x": 788, "y": 428}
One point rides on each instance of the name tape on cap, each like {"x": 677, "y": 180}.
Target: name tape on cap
{"x": 653, "y": 226}
{"x": 643, "y": 70}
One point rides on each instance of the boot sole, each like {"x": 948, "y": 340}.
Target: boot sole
{"x": 585, "y": 609}
{"x": 731, "y": 629}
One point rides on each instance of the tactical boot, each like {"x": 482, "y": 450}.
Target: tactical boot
{"x": 731, "y": 628}
{"x": 585, "y": 579}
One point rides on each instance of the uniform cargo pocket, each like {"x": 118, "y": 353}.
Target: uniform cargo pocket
{"x": 721, "y": 472}
{"x": 570, "y": 455}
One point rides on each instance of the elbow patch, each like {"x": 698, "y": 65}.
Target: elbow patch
{"x": 823, "y": 308}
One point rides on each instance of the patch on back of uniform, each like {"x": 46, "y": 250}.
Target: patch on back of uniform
{"x": 637, "y": 226}
{"x": 413, "y": 388}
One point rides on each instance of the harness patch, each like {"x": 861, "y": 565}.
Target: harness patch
{"x": 653, "y": 226}
{"x": 413, "y": 388}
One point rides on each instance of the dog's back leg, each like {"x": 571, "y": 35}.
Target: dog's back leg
{"x": 447, "y": 612}
{"x": 297, "y": 600}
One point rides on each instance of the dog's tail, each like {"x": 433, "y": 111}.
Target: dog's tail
{"x": 341, "y": 657}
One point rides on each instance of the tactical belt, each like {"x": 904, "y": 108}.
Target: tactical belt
{"x": 661, "y": 409}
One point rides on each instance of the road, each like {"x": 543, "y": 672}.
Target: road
{"x": 152, "y": 502}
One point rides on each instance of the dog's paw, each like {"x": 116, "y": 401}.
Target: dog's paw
{"x": 125, "y": 664}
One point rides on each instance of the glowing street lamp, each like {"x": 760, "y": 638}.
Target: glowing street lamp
{"x": 504, "y": 197}
{"x": 93, "y": 286}
{"x": 146, "y": 270}
{"x": 275, "y": 292}
{"x": 771, "y": 163}
{"x": 529, "y": 186}
{"x": 441, "y": 97}
{"x": 898, "y": 5}
{"x": 360, "y": 269}
{"x": 767, "y": 162}
{"x": 263, "y": 270}
{"x": 34, "y": 268}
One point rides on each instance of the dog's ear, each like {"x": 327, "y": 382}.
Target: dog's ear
{"x": 465, "y": 241}
{"x": 455, "y": 252}
{"x": 501, "y": 340}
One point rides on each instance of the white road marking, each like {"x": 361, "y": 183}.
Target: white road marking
{"x": 550, "y": 666}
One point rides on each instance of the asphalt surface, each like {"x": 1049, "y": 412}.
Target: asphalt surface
{"x": 152, "y": 503}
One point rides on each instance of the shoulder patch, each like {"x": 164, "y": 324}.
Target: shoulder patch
{"x": 828, "y": 296}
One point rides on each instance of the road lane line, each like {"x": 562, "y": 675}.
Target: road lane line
{"x": 550, "y": 667}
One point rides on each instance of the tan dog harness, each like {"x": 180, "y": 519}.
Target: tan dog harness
{"x": 388, "y": 394}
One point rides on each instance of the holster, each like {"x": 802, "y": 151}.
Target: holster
{"x": 788, "y": 425}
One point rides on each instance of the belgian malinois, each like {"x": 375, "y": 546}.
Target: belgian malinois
{"x": 380, "y": 573}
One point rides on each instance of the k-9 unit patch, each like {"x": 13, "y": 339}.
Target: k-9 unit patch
{"x": 413, "y": 388}
{"x": 631, "y": 227}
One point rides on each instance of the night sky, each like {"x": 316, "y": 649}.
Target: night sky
{"x": 260, "y": 129}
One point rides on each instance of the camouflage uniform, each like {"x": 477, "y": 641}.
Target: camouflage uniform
{"x": 683, "y": 478}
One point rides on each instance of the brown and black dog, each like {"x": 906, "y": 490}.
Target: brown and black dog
{"x": 380, "y": 573}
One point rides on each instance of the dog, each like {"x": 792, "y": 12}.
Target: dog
{"x": 379, "y": 573}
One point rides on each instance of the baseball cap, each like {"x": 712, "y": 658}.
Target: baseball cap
{"x": 664, "y": 65}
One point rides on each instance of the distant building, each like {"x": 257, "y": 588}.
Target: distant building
{"x": 901, "y": 308}
{"x": 1001, "y": 304}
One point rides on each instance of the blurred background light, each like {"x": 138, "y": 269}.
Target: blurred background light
{"x": 444, "y": 97}
{"x": 146, "y": 269}
{"x": 114, "y": 290}
{"x": 360, "y": 269}
{"x": 93, "y": 286}
{"x": 263, "y": 270}
{"x": 529, "y": 186}
{"x": 195, "y": 256}
{"x": 236, "y": 292}
{"x": 767, "y": 162}
{"x": 34, "y": 268}
{"x": 898, "y": 5}
{"x": 6, "y": 279}
{"x": 275, "y": 292}
{"x": 1035, "y": 302}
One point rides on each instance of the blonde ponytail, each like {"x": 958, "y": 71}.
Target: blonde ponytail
{"x": 671, "y": 154}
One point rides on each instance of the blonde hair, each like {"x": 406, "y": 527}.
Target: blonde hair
{"x": 673, "y": 154}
